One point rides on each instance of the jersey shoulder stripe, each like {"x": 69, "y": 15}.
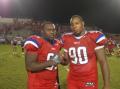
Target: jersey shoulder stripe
{"x": 33, "y": 42}
{"x": 100, "y": 38}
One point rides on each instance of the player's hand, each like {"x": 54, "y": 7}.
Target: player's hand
{"x": 63, "y": 54}
{"x": 64, "y": 57}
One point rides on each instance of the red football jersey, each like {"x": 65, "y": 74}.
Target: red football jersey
{"x": 82, "y": 55}
{"x": 45, "y": 51}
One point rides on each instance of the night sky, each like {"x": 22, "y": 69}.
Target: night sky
{"x": 102, "y": 13}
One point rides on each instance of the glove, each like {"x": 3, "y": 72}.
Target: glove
{"x": 56, "y": 58}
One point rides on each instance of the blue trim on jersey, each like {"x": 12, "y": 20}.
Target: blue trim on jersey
{"x": 50, "y": 41}
{"x": 33, "y": 40}
{"x": 100, "y": 36}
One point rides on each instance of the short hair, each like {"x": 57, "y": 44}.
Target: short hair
{"x": 76, "y": 16}
{"x": 47, "y": 22}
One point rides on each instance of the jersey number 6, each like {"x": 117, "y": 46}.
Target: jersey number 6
{"x": 48, "y": 58}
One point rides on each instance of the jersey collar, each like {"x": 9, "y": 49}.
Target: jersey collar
{"x": 78, "y": 37}
{"x": 50, "y": 41}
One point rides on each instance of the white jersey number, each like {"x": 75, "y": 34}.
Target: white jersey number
{"x": 48, "y": 58}
{"x": 76, "y": 54}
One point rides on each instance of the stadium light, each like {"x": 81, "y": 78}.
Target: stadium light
{"x": 4, "y": 1}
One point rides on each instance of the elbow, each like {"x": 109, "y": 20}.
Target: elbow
{"x": 30, "y": 69}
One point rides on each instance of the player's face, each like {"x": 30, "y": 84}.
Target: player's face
{"x": 50, "y": 31}
{"x": 77, "y": 25}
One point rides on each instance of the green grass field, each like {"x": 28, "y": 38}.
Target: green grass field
{"x": 13, "y": 74}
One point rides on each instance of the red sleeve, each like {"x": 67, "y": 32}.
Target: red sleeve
{"x": 32, "y": 44}
{"x": 98, "y": 37}
{"x": 30, "y": 48}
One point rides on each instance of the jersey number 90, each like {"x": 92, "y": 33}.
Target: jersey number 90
{"x": 79, "y": 55}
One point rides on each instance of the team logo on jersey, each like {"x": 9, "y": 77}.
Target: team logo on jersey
{"x": 53, "y": 49}
{"x": 83, "y": 36}
{"x": 90, "y": 84}
{"x": 76, "y": 42}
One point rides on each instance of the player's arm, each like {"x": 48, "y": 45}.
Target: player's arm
{"x": 104, "y": 67}
{"x": 63, "y": 52}
{"x": 34, "y": 66}
{"x": 31, "y": 47}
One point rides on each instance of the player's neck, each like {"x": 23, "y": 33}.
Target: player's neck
{"x": 80, "y": 34}
{"x": 49, "y": 40}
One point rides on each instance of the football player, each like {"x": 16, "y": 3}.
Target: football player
{"x": 14, "y": 46}
{"x": 42, "y": 57}
{"x": 85, "y": 48}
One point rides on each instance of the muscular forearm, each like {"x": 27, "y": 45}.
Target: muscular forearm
{"x": 104, "y": 67}
{"x": 36, "y": 66}
{"x": 33, "y": 65}
{"x": 105, "y": 73}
